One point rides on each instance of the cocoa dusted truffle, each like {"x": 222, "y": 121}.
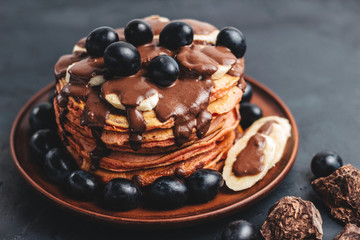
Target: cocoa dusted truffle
{"x": 292, "y": 218}
{"x": 340, "y": 191}
{"x": 350, "y": 232}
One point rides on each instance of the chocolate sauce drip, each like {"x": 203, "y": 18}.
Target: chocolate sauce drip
{"x": 100, "y": 150}
{"x": 72, "y": 89}
{"x": 204, "y": 60}
{"x": 186, "y": 100}
{"x": 250, "y": 160}
{"x": 203, "y": 121}
{"x": 137, "y": 127}
{"x": 86, "y": 69}
{"x": 64, "y": 61}
{"x": 96, "y": 111}
{"x": 131, "y": 91}
{"x": 94, "y": 115}
{"x": 242, "y": 84}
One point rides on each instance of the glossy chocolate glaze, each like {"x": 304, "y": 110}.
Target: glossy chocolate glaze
{"x": 185, "y": 101}
{"x": 92, "y": 67}
{"x": 64, "y": 61}
{"x": 204, "y": 60}
{"x": 250, "y": 161}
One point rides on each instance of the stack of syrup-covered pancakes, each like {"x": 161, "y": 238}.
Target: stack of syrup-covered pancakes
{"x": 106, "y": 124}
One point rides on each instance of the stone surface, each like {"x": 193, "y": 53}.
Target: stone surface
{"x": 350, "y": 232}
{"x": 292, "y": 218}
{"x": 308, "y": 52}
{"x": 340, "y": 191}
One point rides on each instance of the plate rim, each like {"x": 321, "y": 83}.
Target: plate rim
{"x": 167, "y": 222}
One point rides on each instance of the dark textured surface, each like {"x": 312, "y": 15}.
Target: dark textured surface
{"x": 308, "y": 52}
{"x": 340, "y": 191}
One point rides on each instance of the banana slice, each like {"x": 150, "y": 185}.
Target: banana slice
{"x": 222, "y": 70}
{"x": 145, "y": 105}
{"x": 240, "y": 183}
{"x": 276, "y": 137}
{"x": 209, "y": 38}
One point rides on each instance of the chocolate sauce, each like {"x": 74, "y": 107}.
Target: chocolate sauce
{"x": 100, "y": 150}
{"x": 250, "y": 161}
{"x": 204, "y": 60}
{"x": 86, "y": 69}
{"x": 186, "y": 100}
{"x": 64, "y": 61}
{"x": 96, "y": 110}
{"x": 131, "y": 91}
{"x": 79, "y": 90}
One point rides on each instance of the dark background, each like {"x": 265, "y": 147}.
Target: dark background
{"x": 308, "y": 52}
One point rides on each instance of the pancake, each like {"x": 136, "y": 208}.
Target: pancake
{"x": 128, "y": 127}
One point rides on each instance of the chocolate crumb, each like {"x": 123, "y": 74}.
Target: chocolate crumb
{"x": 292, "y": 218}
{"x": 340, "y": 192}
{"x": 349, "y": 232}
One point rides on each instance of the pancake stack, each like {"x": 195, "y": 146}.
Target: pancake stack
{"x": 129, "y": 127}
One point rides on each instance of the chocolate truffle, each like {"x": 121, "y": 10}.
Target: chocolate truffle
{"x": 292, "y": 218}
{"x": 340, "y": 191}
{"x": 350, "y": 232}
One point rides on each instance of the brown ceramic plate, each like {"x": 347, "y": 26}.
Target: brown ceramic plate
{"x": 226, "y": 203}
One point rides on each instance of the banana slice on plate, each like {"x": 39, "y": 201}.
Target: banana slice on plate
{"x": 276, "y": 131}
